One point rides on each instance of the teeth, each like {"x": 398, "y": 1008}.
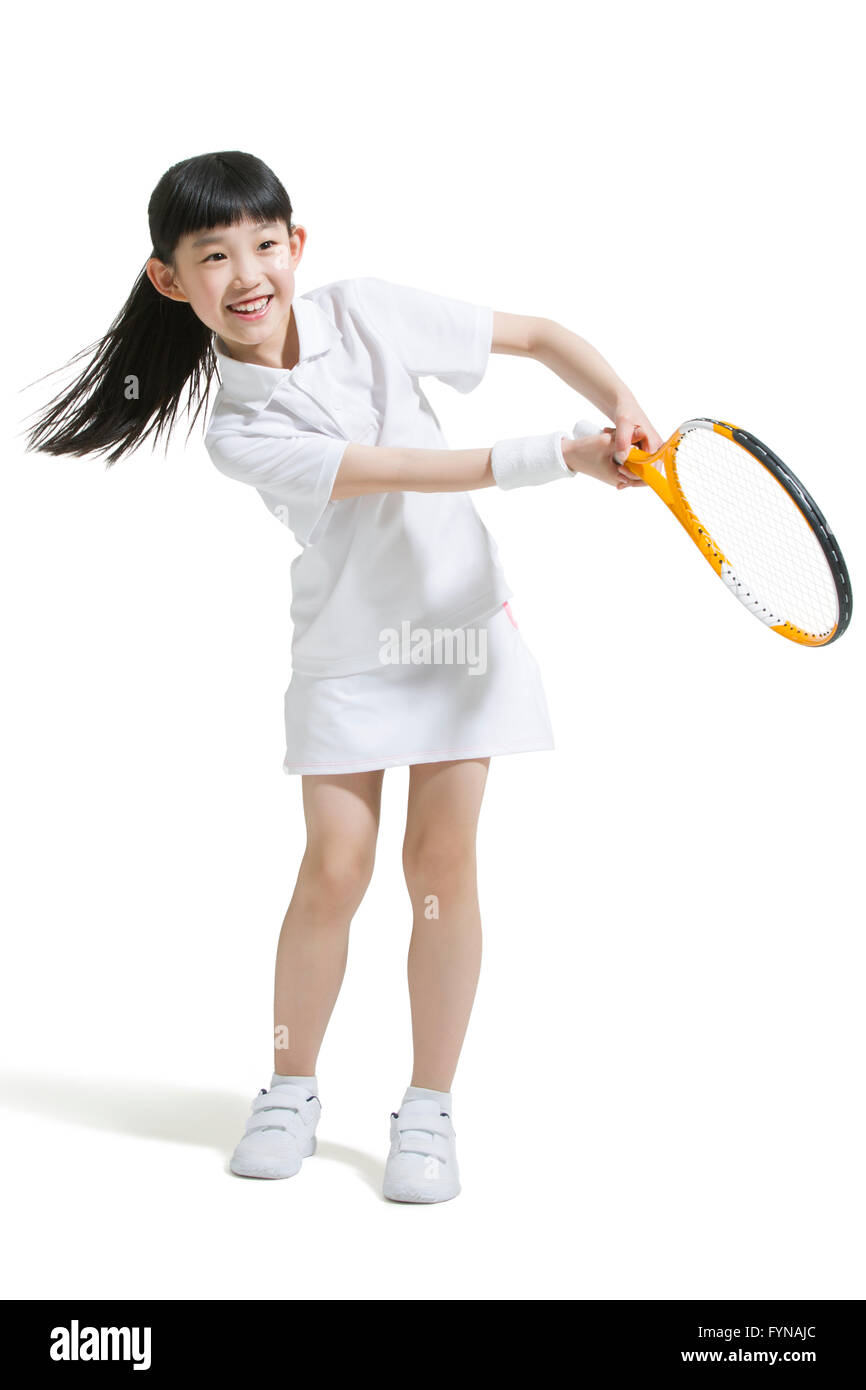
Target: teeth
{"x": 251, "y": 308}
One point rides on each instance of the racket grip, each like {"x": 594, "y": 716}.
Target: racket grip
{"x": 584, "y": 428}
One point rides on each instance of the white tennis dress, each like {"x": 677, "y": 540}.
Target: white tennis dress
{"x": 404, "y": 646}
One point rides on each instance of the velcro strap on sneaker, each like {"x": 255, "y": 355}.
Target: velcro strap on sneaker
{"x": 429, "y": 1124}
{"x": 283, "y": 1107}
{"x": 416, "y": 1141}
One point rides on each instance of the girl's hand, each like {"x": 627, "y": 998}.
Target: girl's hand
{"x": 632, "y": 428}
{"x": 593, "y": 454}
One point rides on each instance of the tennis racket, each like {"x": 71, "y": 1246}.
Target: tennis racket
{"x": 754, "y": 522}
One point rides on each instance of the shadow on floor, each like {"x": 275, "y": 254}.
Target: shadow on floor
{"x": 156, "y": 1110}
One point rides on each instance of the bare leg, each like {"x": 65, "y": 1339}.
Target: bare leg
{"x": 445, "y": 951}
{"x": 342, "y": 818}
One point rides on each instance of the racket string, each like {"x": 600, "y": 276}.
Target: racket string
{"x": 775, "y": 556}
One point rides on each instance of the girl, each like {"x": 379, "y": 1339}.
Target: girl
{"x": 404, "y": 647}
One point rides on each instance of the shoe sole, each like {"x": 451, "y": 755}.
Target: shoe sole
{"x": 252, "y": 1170}
{"x": 418, "y": 1195}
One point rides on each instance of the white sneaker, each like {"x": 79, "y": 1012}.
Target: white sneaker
{"x": 422, "y": 1164}
{"x": 280, "y": 1132}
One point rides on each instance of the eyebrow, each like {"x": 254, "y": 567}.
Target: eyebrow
{"x": 217, "y": 236}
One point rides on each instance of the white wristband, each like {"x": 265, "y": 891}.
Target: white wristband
{"x": 525, "y": 462}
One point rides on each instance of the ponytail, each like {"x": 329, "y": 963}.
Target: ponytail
{"x": 133, "y": 384}
{"x": 157, "y": 349}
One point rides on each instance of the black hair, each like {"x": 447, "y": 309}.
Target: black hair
{"x": 159, "y": 343}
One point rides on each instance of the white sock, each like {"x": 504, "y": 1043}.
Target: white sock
{"x": 308, "y": 1081}
{"x": 442, "y": 1098}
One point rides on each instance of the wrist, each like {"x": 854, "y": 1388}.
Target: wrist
{"x": 571, "y": 453}
{"x": 624, "y": 403}
{"x": 530, "y": 460}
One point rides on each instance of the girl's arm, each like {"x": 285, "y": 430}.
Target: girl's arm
{"x": 373, "y": 468}
{"x": 369, "y": 468}
{"x": 583, "y": 368}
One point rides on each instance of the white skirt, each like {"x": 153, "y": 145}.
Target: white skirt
{"x": 490, "y": 701}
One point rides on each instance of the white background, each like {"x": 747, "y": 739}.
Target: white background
{"x": 660, "y": 1095}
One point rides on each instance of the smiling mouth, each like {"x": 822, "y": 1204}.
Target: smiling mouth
{"x": 251, "y": 308}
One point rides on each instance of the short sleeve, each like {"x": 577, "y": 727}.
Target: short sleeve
{"x": 431, "y": 334}
{"x": 294, "y": 474}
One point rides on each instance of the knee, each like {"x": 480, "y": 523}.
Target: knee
{"x": 437, "y": 858}
{"x": 334, "y": 880}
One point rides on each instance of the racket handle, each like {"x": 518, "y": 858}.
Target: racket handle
{"x": 584, "y": 428}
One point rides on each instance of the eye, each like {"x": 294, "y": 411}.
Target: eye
{"x": 214, "y": 254}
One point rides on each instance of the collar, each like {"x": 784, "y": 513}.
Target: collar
{"x": 247, "y": 383}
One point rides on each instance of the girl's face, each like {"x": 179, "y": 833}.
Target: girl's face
{"x": 239, "y": 280}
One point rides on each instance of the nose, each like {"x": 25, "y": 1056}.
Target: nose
{"x": 248, "y": 276}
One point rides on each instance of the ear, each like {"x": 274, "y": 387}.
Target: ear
{"x": 297, "y": 242}
{"x": 161, "y": 276}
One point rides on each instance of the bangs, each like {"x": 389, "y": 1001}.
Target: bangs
{"x": 213, "y": 190}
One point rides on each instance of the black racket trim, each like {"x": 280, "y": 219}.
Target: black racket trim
{"x": 813, "y": 514}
